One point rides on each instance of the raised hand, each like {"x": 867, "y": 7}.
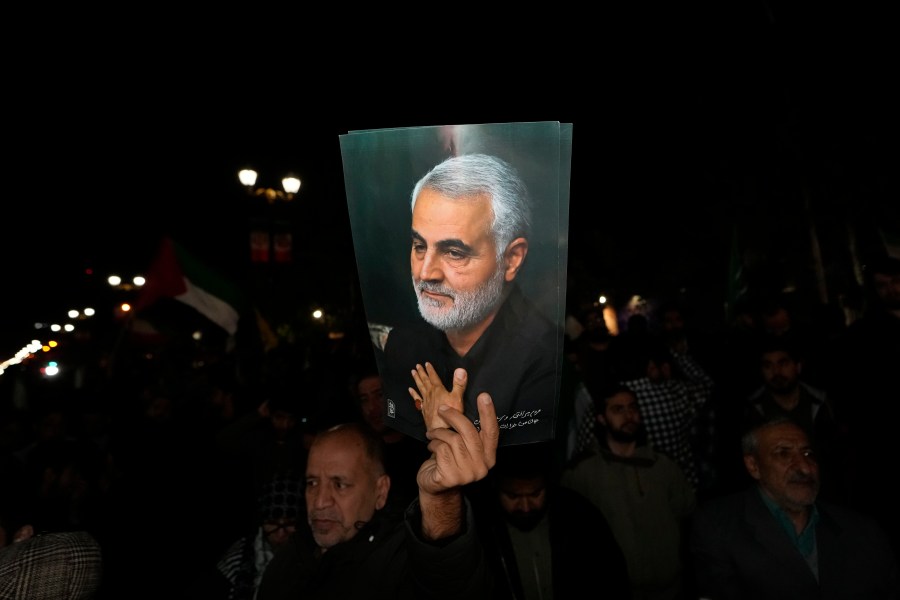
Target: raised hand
{"x": 460, "y": 454}
{"x": 431, "y": 394}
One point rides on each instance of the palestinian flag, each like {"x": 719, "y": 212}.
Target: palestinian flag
{"x": 176, "y": 273}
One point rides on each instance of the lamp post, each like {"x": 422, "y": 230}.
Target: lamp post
{"x": 270, "y": 237}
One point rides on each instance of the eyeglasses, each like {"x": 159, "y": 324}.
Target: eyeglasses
{"x": 288, "y": 526}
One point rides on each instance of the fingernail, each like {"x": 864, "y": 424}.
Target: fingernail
{"x": 443, "y": 407}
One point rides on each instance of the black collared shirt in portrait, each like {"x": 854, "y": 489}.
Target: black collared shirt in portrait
{"x": 517, "y": 361}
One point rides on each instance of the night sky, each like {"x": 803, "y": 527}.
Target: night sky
{"x": 682, "y": 130}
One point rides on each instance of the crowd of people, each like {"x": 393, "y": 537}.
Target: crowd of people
{"x": 749, "y": 462}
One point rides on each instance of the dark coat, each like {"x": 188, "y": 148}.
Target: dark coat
{"x": 739, "y": 550}
{"x": 585, "y": 557}
{"x": 385, "y": 560}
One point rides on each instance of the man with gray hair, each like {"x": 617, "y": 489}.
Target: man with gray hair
{"x": 471, "y": 218}
{"x": 778, "y": 539}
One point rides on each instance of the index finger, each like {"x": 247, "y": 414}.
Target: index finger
{"x": 490, "y": 429}
{"x": 487, "y": 439}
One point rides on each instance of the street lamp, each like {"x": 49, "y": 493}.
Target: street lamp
{"x": 271, "y": 231}
{"x": 289, "y": 183}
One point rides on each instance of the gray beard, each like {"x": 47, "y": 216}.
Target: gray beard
{"x": 467, "y": 309}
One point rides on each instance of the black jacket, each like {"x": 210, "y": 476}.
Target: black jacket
{"x": 586, "y": 560}
{"x": 739, "y": 550}
{"x": 386, "y": 560}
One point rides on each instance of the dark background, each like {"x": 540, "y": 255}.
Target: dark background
{"x": 688, "y": 124}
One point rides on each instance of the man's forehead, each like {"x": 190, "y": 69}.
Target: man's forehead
{"x": 776, "y": 355}
{"x": 513, "y": 486}
{"x": 782, "y": 435}
{"x": 369, "y": 384}
{"x": 344, "y": 452}
{"x": 435, "y": 212}
{"x": 621, "y": 399}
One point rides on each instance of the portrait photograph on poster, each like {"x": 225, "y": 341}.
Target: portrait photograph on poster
{"x": 460, "y": 236}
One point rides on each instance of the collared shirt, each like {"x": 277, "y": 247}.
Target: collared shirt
{"x": 805, "y": 541}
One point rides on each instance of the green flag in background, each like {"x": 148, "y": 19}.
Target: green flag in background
{"x": 176, "y": 273}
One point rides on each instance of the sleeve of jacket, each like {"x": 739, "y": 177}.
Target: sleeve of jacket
{"x": 452, "y": 568}
{"x": 714, "y": 571}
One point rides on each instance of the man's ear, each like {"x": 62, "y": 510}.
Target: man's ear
{"x": 752, "y": 466}
{"x": 601, "y": 419}
{"x": 382, "y": 487}
{"x": 514, "y": 257}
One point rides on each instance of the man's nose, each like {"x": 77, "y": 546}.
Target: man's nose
{"x": 806, "y": 463}
{"x": 321, "y": 497}
{"x": 522, "y": 505}
{"x": 429, "y": 267}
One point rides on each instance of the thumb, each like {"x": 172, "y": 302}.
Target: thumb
{"x": 460, "y": 379}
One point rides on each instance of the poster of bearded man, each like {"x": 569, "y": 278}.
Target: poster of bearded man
{"x": 460, "y": 236}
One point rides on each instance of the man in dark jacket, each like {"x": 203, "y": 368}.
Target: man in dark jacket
{"x": 353, "y": 549}
{"x": 777, "y": 540}
{"x": 543, "y": 540}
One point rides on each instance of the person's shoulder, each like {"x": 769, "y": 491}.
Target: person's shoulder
{"x": 649, "y": 456}
{"x": 569, "y": 507}
{"x": 573, "y": 504}
{"x": 525, "y": 311}
{"x": 847, "y": 517}
{"x": 816, "y": 395}
{"x": 664, "y": 467}
{"x": 54, "y": 563}
{"x": 582, "y": 458}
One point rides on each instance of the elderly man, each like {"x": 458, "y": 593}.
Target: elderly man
{"x": 470, "y": 225}
{"x": 778, "y": 540}
{"x": 354, "y": 549}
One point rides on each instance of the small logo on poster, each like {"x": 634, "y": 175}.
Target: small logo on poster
{"x": 391, "y": 409}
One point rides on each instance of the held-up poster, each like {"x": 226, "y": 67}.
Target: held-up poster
{"x": 460, "y": 235}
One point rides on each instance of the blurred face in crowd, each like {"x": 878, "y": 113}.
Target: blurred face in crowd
{"x": 283, "y": 423}
{"x": 344, "y": 486}
{"x": 523, "y": 500}
{"x": 456, "y": 275}
{"x": 777, "y": 321}
{"x": 887, "y": 288}
{"x": 621, "y": 417}
{"x": 278, "y": 531}
{"x": 371, "y": 401}
{"x": 780, "y": 372}
{"x": 673, "y": 323}
{"x": 785, "y": 466}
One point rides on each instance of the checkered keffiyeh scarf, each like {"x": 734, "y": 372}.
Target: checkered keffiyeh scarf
{"x": 51, "y": 566}
{"x": 244, "y": 562}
